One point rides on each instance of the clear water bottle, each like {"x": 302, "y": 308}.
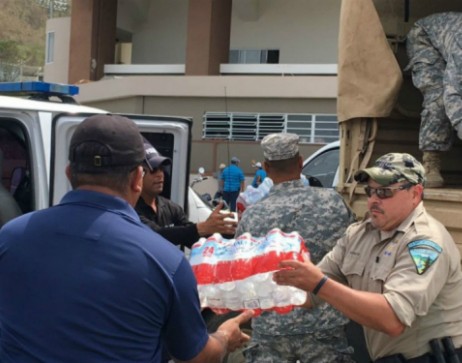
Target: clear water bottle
{"x": 265, "y": 186}
{"x": 237, "y": 274}
{"x": 252, "y": 195}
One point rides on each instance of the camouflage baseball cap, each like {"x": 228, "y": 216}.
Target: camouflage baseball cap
{"x": 280, "y": 146}
{"x": 393, "y": 168}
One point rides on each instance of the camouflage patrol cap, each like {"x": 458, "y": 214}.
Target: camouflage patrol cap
{"x": 393, "y": 168}
{"x": 280, "y": 146}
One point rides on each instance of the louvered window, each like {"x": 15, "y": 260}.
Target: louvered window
{"x": 312, "y": 128}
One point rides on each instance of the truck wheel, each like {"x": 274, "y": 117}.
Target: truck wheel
{"x": 213, "y": 321}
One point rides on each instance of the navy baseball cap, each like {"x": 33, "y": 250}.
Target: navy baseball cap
{"x": 153, "y": 157}
{"x": 102, "y": 142}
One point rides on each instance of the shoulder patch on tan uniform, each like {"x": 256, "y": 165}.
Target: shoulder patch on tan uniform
{"x": 424, "y": 253}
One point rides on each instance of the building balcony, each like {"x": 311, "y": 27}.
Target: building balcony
{"x": 120, "y": 70}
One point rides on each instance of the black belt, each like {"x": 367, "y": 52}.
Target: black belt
{"x": 425, "y": 358}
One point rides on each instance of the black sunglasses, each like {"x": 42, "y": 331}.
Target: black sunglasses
{"x": 384, "y": 193}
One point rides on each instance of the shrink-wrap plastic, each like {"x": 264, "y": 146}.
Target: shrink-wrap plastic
{"x": 237, "y": 274}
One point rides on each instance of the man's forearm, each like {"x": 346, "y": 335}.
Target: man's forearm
{"x": 366, "y": 308}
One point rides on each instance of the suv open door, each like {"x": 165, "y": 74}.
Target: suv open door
{"x": 171, "y": 136}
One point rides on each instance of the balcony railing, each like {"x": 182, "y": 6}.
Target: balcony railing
{"x": 143, "y": 69}
{"x": 280, "y": 69}
{"x": 112, "y": 70}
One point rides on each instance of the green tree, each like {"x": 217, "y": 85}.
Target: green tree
{"x": 22, "y": 36}
{"x": 10, "y": 58}
{"x": 56, "y": 8}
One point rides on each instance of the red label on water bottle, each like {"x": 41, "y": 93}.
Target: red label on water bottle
{"x": 236, "y": 274}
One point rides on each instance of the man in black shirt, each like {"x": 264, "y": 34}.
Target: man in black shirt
{"x": 168, "y": 218}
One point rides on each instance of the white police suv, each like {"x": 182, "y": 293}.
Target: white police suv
{"x": 37, "y": 121}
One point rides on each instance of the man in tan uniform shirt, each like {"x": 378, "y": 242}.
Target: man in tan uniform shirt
{"x": 397, "y": 272}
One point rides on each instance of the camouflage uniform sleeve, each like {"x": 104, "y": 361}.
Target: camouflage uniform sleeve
{"x": 241, "y": 226}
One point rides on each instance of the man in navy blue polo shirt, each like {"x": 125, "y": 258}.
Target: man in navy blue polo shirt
{"x": 86, "y": 281}
{"x": 232, "y": 181}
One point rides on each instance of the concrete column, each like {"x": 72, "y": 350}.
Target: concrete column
{"x": 208, "y": 37}
{"x": 92, "y": 43}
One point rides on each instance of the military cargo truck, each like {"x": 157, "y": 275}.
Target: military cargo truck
{"x": 378, "y": 106}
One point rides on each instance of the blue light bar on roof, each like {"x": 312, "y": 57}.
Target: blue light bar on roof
{"x": 34, "y": 87}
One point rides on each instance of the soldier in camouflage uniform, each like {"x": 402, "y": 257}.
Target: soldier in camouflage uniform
{"x": 321, "y": 217}
{"x": 434, "y": 47}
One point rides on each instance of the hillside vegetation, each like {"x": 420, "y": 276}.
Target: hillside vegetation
{"x": 22, "y": 34}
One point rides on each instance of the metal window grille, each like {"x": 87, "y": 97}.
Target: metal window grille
{"x": 238, "y": 126}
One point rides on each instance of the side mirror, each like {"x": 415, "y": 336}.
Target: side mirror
{"x": 314, "y": 182}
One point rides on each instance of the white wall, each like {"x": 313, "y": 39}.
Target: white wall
{"x": 58, "y": 70}
{"x": 161, "y": 38}
{"x": 304, "y": 31}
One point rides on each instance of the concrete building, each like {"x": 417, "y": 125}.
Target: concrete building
{"x": 239, "y": 68}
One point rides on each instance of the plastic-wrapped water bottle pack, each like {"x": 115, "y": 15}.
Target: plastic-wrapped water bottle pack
{"x": 237, "y": 274}
{"x": 252, "y": 195}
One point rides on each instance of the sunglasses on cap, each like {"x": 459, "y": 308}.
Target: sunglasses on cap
{"x": 384, "y": 193}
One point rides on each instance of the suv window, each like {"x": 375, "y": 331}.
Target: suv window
{"x": 15, "y": 164}
{"x": 323, "y": 167}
